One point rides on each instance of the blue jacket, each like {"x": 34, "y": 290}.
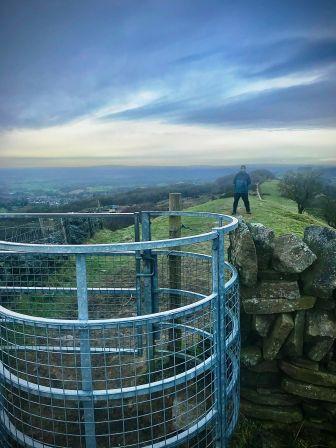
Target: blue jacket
{"x": 241, "y": 182}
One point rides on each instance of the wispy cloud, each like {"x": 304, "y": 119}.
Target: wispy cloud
{"x": 122, "y": 67}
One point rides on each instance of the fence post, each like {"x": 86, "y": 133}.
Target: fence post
{"x": 139, "y": 329}
{"x": 85, "y": 352}
{"x": 174, "y": 262}
{"x": 3, "y": 433}
{"x": 175, "y": 204}
{"x": 147, "y": 288}
{"x": 218, "y": 286}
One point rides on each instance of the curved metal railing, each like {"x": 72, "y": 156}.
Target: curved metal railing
{"x": 127, "y": 344}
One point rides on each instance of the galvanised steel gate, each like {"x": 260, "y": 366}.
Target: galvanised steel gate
{"x": 134, "y": 344}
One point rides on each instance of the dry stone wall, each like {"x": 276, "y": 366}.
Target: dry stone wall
{"x": 288, "y": 324}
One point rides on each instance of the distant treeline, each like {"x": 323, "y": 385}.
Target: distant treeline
{"x": 148, "y": 197}
{"x": 79, "y": 230}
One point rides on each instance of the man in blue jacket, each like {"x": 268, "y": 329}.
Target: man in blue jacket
{"x": 241, "y": 184}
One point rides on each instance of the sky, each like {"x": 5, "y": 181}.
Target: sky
{"x": 167, "y": 82}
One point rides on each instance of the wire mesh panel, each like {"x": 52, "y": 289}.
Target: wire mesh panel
{"x": 119, "y": 345}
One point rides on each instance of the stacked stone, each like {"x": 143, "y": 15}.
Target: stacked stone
{"x": 288, "y": 324}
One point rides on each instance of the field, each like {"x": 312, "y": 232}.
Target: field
{"x": 273, "y": 211}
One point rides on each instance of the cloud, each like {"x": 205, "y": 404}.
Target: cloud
{"x": 307, "y": 54}
{"x": 302, "y": 104}
{"x": 78, "y": 60}
{"x": 73, "y": 74}
{"x": 90, "y": 142}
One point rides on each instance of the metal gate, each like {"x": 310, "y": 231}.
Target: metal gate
{"x": 130, "y": 344}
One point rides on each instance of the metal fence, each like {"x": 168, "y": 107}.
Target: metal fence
{"x": 131, "y": 344}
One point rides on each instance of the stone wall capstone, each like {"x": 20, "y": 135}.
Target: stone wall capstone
{"x": 288, "y": 321}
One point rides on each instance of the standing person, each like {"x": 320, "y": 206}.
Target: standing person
{"x": 241, "y": 184}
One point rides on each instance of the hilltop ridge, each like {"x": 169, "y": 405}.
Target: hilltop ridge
{"x": 273, "y": 211}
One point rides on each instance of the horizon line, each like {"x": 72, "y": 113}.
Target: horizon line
{"x": 27, "y": 163}
{"x": 306, "y": 164}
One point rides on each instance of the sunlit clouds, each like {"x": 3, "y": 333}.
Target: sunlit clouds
{"x": 167, "y": 83}
{"x": 92, "y": 142}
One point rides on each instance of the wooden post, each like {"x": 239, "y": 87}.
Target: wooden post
{"x": 175, "y": 204}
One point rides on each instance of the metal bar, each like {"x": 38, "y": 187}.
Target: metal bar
{"x": 229, "y": 339}
{"x": 174, "y": 441}
{"x": 217, "y": 341}
{"x": 120, "y": 350}
{"x": 108, "y": 323}
{"x": 116, "y": 291}
{"x": 138, "y": 281}
{"x": 104, "y": 248}
{"x": 3, "y": 436}
{"x": 155, "y": 294}
{"x": 64, "y": 215}
{"x": 215, "y": 216}
{"x": 147, "y": 289}
{"x": 222, "y": 331}
{"x": 67, "y": 289}
{"x": 93, "y": 249}
{"x": 89, "y": 395}
{"x": 58, "y": 349}
{"x": 85, "y": 356}
{"x": 153, "y": 213}
{"x": 182, "y": 254}
{"x": 187, "y": 434}
{"x": 19, "y": 436}
{"x": 128, "y": 253}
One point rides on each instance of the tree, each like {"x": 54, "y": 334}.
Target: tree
{"x": 301, "y": 186}
{"x": 327, "y": 205}
{"x": 261, "y": 175}
{"x": 224, "y": 184}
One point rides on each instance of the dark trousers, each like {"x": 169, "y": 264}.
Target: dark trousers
{"x": 245, "y": 199}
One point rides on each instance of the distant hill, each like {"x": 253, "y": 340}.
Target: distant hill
{"x": 122, "y": 177}
{"x": 112, "y": 177}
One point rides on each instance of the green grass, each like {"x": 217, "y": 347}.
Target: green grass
{"x": 255, "y": 434}
{"x": 273, "y": 211}
{"x": 280, "y": 213}
{"x": 51, "y": 306}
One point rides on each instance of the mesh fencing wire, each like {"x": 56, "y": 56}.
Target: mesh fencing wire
{"x": 136, "y": 366}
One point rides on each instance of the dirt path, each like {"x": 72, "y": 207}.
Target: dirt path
{"x": 258, "y": 192}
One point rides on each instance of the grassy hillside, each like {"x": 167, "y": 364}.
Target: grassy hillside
{"x": 281, "y": 215}
{"x": 273, "y": 211}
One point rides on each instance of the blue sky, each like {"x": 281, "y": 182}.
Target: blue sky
{"x": 167, "y": 82}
